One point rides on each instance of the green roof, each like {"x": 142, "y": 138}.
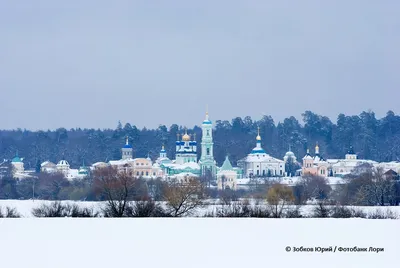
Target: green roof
{"x": 226, "y": 165}
{"x": 16, "y": 160}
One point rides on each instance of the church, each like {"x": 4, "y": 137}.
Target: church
{"x": 185, "y": 163}
{"x": 260, "y": 164}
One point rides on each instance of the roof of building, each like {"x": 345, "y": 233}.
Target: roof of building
{"x": 226, "y": 165}
{"x": 63, "y": 163}
{"x": 350, "y": 151}
{"x": 16, "y": 159}
{"x": 127, "y": 146}
{"x": 47, "y": 163}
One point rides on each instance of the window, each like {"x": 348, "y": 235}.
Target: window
{"x": 258, "y": 173}
{"x": 142, "y": 173}
{"x": 137, "y": 173}
{"x": 208, "y": 132}
{"x": 154, "y": 173}
{"x": 147, "y": 173}
{"x": 208, "y": 151}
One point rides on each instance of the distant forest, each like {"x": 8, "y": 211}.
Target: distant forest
{"x": 371, "y": 138}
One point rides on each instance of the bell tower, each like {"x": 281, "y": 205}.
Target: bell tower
{"x": 207, "y": 162}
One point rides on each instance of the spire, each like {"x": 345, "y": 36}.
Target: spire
{"x": 308, "y": 151}
{"x": 290, "y": 148}
{"x": 127, "y": 141}
{"x": 163, "y": 147}
{"x": 258, "y": 138}
{"x": 316, "y": 148}
{"x": 207, "y": 112}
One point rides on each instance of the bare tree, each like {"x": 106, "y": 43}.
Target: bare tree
{"x": 279, "y": 197}
{"x": 117, "y": 187}
{"x": 183, "y": 198}
{"x": 311, "y": 187}
{"x": 380, "y": 190}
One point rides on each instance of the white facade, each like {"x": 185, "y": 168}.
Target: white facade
{"x": 260, "y": 164}
{"x": 227, "y": 176}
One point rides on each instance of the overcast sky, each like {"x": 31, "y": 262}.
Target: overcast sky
{"x": 91, "y": 63}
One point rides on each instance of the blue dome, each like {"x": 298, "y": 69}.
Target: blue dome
{"x": 193, "y": 143}
{"x": 127, "y": 146}
{"x": 258, "y": 151}
{"x": 163, "y": 151}
{"x": 207, "y": 122}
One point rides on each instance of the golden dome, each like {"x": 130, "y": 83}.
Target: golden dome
{"x": 258, "y": 135}
{"x": 186, "y": 137}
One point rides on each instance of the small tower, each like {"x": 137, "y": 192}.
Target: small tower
{"x": 308, "y": 161}
{"x": 163, "y": 153}
{"x": 178, "y": 142}
{"x": 317, "y": 156}
{"x": 258, "y": 149}
{"x": 290, "y": 155}
{"x": 17, "y": 164}
{"x": 127, "y": 150}
{"x": 350, "y": 154}
{"x": 207, "y": 162}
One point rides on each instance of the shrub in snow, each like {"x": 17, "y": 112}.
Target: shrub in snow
{"x": 57, "y": 209}
{"x": 240, "y": 210}
{"x": 9, "y": 213}
{"x": 143, "y": 209}
{"x": 235, "y": 210}
{"x": 379, "y": 214}
{"x": 293, "y": 212}
{"x": 321, "y": 211}
{"x": 341, "y": 212}
{"x": 259, "y": 212}
{"x": 358, "y": 213}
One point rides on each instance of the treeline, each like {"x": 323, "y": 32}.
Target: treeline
{"x": 239, "y": 209}
{"x": 372, "y": 138}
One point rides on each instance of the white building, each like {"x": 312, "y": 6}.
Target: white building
{"x": 17, "y": 165}
{"x": 341, "y": 167}
{"x": 48, "y": 167}
{"x": 260, "y": 164}
{"x": 227, "y": 176}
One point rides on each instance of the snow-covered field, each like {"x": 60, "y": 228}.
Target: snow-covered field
{"x": 195, "y": 242}
{"x": 24, "y": 207}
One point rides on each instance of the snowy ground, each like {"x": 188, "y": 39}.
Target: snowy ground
{"x": 195, "y": 242}
{"x": 24, "y": 207}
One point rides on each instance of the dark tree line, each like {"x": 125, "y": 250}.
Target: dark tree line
{"x": 372, "y": 138}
